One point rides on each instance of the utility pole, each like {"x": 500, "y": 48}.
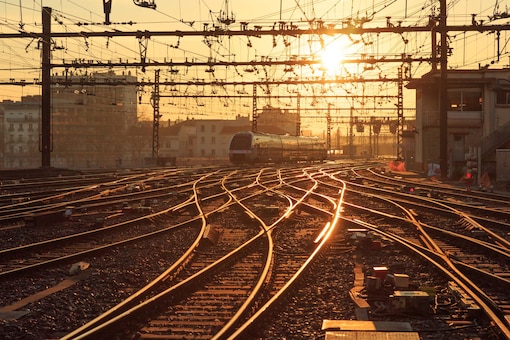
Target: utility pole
{"x": 443, "y": 93}
{"x": 45, "y": 139}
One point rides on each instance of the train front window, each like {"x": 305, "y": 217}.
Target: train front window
{"x": 241, "y": 143}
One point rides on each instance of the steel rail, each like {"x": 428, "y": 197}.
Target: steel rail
{"x": 262, "y": 311}
{"x": 449, "y": 209}
{"x": 108, "y": 319}
{"x": 121, "y": 307}
{"x": 108, "y": 322}
{"x": 460, "y": 278}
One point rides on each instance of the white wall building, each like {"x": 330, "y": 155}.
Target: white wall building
{"x": 21, "y": 132}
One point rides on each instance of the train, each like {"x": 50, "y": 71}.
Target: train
{"x": 252, "y": 147}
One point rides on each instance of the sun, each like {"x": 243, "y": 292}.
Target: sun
{"x": 331, "y": 56}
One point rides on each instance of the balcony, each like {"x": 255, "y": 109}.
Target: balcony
{"x": 25, "y": 119}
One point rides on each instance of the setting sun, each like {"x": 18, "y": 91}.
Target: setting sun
{"x": 331, "y": 57}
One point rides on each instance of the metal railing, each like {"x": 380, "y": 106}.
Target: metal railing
{"x": 496, "y": 139}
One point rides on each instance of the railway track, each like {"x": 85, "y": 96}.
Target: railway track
{"x": 261, "y": 238}
{"x": 477, "y": 255}
{"x": 230, "y": 295}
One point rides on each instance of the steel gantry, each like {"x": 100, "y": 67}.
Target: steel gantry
{"x": 400, "y": 115}
{"x": 156, "y": 117}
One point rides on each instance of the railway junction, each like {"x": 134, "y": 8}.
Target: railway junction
{"x": 282, "y": 242}
{"x": 311, "y": 251}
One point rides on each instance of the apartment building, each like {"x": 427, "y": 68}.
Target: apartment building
{"x": 21, "y": 133}
{"x": 89, "y": 123}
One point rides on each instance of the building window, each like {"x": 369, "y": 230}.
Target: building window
{"x": 502, "y": 97}
{"x": 213, "y": 140}
{"x": 213, "y": 152}
{"x": 202, "y": 140}
{"x": 213, "y": 128}
{"x": 202, "y": 128}
{"x": 465, "y": 99}
{"x": 202, "y": 152}
{"x": 20, "y": 127}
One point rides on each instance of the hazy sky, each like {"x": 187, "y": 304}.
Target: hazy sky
{"x": 20, "y": 58}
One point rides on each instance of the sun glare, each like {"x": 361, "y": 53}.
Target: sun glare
{"x": 331, "y": 57}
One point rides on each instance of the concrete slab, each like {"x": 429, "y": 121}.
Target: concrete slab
{"x": 11, "y": 312}
{"x": 371, "y": 336}
{"x": 359, "y": 325}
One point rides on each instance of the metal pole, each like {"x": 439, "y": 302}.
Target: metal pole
{"x": 443, "y": 93}
{"x": 328, "y": 128}
{"x": 400, "y": 116}
{"x": 45, "y": 141}
{"x": 254, "y": 127}
{"x": 157, "y": 116}
{"x": 351, "y": 135}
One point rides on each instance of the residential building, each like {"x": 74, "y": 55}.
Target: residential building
{"x": 285, "y": 119}
{"x": 20, "y": 126}
{"x": 90, "y": 121}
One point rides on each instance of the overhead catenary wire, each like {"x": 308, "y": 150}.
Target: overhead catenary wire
{"x": 68, "y": 19}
